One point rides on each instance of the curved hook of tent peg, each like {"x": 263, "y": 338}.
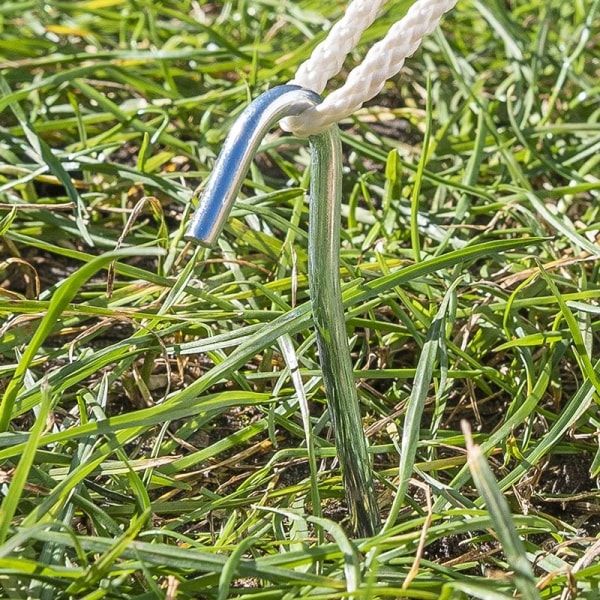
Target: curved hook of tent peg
{"x": 214, "y": 207}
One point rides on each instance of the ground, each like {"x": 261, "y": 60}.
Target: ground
{"x": 153, "y": 438}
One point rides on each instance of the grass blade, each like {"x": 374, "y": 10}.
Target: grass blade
{"x": 61, "y": 298}
{"x": 501, "y": 517}
{"x": 11, "y": 500}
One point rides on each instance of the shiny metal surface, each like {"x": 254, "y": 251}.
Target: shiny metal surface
{"x": 332, "y": 337}
{"x": 241, "y": 144}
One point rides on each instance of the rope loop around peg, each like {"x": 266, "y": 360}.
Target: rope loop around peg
{"x": 383, "y": 61}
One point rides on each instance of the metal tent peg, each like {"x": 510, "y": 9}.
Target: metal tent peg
{"x": 212, "y": 212}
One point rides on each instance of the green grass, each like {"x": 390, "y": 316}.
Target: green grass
{"x": 163, "y": 426}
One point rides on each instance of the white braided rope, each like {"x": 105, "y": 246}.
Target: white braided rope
{"x": 327, "y": 58}
{"x": 384, "y": 60}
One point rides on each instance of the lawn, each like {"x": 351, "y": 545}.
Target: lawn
{"x": 164, "y": 428}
